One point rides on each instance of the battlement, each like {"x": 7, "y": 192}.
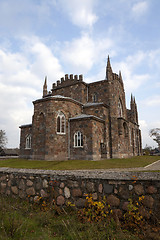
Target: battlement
{"x": 67, "y": 80}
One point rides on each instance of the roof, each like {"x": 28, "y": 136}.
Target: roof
{"x": 25, "y": 125}
{"x": 91, "y": 104}
{"x": 84, "y": 116}
{"x": 60, "y": 97}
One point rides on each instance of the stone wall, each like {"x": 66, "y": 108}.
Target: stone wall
{"x": 72, "y": 186}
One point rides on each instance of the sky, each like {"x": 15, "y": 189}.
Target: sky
{"x": 50, "y": 38}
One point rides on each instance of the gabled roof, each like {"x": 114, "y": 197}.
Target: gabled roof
{"x": 86, "y": 116}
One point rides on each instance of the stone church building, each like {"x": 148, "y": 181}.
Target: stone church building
{"x": 78, "y": 120}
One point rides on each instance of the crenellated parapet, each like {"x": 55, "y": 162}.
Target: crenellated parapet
{"x": 67, "y": 80}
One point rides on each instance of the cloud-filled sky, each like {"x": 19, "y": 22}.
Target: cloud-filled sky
{"x": 41, "y": 38}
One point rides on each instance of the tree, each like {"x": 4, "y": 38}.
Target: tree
{"x": 155, "y": 133}
{"x": 3, "y": 139}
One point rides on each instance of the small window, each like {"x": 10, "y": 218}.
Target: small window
{"x": 95, "y": 97}
{"x": 120, "y": 109}
{"x": 61, "y": 123}
{"x": 78, "y": 139}
{"x": 28, "y": 142}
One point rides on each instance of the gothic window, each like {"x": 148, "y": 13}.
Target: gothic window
{"x": 120, "y": 109}
{"x": 95, "y": 97}
{"x": 28, "y": 142}
{"x": 78, "y": 139}
{"x": 125, "y": 129}
{"x": 61, "y": 123}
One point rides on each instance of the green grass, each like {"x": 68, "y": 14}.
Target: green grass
{"x": 22, "y": 220}
{"x": 133, "y": 162}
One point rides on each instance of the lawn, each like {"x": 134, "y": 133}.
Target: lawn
{"x": 133, "y": 162}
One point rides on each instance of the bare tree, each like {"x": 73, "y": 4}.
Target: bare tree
{"x": 3, "y": 139}
{"x": 155, "y": 133}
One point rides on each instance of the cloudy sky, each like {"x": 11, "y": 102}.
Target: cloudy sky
{"x": 41, "y": 38}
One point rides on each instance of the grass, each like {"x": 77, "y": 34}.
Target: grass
{"x": 22, "y": 220}
{"x": 140, "y": 161}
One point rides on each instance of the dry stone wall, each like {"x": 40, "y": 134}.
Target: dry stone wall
{"x": 72, "y": 186}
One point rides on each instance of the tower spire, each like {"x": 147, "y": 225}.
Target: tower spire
{"x": 108, "y": 69}
{"x": 45, "y": 87}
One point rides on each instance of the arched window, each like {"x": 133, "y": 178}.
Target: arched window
{"x": 125, "y": 127}
{"x": 120, "y": 109}
{"x": 95, "y": 97}
{"x": 61, "y": 123}
{"x": 78, "y": 139}
{"x": 28, "y": 142}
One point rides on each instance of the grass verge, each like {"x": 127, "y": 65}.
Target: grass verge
{"x": 22, "y": 220}
{"x": 140, "y": 161}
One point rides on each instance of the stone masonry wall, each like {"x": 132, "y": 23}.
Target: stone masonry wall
{"x": 72, "y": 186}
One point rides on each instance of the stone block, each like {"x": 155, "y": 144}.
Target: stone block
{"x": 90, "y": 187}
{"x": 139, "y": 190}
{"x": 100, "y": 188}
{"x": 76, "y": 192}
{"x": 30, "y": 191}
{"x": 151, "y": 190}
{"x": 113, "y": 201}
{"x": 67, "y": 193}
{"x": 14, "y": 189}
{"x": 148, "y": 201}
{"x": 22, "y": 185}
{"x": 72, "y": 184}
{"x": 29, "y": 183}
{"x": 60, "y": 200}
{"x": 107, "y": 188}
{"x": 80, "y": 203}
{"x": 43, "y": 194}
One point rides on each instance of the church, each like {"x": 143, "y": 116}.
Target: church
{"x": 79, "y": 120}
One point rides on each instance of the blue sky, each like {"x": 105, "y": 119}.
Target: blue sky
{"x": 41, "y": 38}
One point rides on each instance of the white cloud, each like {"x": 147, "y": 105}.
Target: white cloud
{"x": 128, "y": 67}
{"x": 82, "y": 53}
{"x": 81, "y": 12}
{"x": 21, "y": 81}
{"x": 152, "y": 101}
{"x": 139, "y": 9}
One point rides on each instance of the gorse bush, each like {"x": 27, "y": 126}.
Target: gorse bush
{"x": 95, "y": 211}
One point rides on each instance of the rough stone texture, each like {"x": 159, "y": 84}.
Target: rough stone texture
{"x": 139, "y": 190}
{"x": 29, "y": 183}
{"x": 130, "y": 187}
{"x": 98, "y": 110}
{"x": 151, "y": 190}
{"x": 73, "y": 186}
{"x": 60, "y": 200}
{"x": 45, "y": 183}
{"x": 108, "y": 188}
{"x": 148, "y": 201}
{"x": 22, "y": 184}
{"x": 76, "y": 192}
{"x": 62, "y": 185}
{"x": 30, "y": 191}
{"x": 80, "y": 202}
{"x": 67, "y": 193}
{"x": 123, "y": 192}
{"x": 14, "y": 190}
{"x": 90, "y": 187}
{"x": 113, "y": 201}
{"x": 100, "y": 188}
